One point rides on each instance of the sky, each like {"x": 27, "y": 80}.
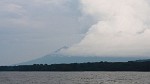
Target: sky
{"x": 30, "y": 29}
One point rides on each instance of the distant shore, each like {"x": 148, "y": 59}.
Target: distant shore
{"x": 89, "y": 66}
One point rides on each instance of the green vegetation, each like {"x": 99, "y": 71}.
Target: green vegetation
{"x": 90, "y": 66}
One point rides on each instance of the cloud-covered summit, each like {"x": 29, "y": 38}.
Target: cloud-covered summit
{"x": 122, "y": 29}
{"x": 30, "y": 29}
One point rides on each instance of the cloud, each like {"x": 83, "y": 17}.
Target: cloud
{"x": 122, "y": 29}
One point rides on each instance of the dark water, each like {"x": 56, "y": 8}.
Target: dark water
{"x": 74, "y": 78}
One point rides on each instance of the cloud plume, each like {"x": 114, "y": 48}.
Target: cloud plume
{"x": 122, "y": 29}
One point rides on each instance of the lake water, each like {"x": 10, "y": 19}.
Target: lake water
{"x": 74, "y": 77}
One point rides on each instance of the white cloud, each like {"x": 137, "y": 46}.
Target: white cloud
{"x": 122, "y": 29}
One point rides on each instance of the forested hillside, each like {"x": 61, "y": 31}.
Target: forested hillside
{"x": 93, "y": 66}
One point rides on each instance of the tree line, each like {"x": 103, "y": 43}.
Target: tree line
{"x": 89, "y": 66}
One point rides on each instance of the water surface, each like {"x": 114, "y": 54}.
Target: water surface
{"x": 74, "y": 78}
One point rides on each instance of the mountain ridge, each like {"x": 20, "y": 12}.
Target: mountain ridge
{"x": 57, "y": 58}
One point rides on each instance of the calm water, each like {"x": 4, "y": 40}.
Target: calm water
{"x": 74, "y": 78}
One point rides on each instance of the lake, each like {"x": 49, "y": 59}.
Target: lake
{"x": 74, "y": 78}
